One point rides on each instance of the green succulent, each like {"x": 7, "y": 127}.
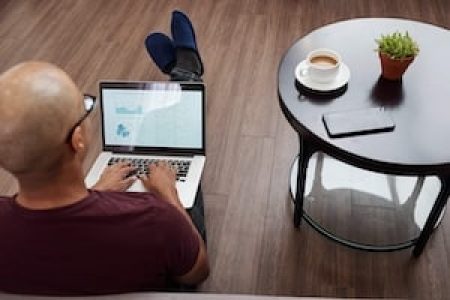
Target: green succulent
{"x": 397, "y": 45}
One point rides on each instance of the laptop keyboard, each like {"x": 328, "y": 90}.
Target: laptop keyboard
{"x": 141, "y": 165}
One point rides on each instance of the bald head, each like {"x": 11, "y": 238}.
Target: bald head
{"x": 38, "y": 105}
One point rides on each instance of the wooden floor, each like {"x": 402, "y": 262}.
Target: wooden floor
{"x": 253, "y": 246}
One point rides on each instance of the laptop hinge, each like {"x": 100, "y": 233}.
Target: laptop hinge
{"x": 157, "y": 153}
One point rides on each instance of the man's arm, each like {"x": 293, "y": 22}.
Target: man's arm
{"x": 162, "y": 182}
{"x": 199, "y": 271}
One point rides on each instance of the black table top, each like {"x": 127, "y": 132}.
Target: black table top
{"x": 419, "y": 104}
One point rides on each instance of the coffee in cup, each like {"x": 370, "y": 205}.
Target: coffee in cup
{"x": 322, "y": 65}
{"x": 324, "y": 60}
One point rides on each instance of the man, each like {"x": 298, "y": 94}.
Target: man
{"x": 56, "y": 236}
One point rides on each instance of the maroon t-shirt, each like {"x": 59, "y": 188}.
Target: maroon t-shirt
{"x": 109, "y": 242}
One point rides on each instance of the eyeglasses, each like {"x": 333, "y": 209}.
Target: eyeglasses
{"x": 89, "y": 105}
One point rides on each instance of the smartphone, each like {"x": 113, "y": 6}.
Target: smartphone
{"x": 358, "y": 122}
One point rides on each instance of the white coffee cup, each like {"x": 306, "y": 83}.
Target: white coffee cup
{"x": 322, "y": 65}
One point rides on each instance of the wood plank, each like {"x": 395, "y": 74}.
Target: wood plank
{"x": 240, "y": 239}
{"x": 214, "y": 216}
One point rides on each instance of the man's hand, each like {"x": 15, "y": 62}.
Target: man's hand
{"x": 161, "y": 181}
{"x": 114, "y": 178}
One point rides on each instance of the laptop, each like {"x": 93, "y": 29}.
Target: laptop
{"x": 143, "y": 122}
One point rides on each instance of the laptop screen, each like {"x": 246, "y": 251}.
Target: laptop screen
{"x": 158, "y": 116}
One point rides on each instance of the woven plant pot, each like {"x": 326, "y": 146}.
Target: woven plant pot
{"x": 393, "y": 69}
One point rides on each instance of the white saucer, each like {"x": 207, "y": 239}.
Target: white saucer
{"x": 341, "y": 79}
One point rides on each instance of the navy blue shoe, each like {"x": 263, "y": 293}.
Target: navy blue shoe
{"x": 183, "y": 35}
{"x": 162, "y": 50}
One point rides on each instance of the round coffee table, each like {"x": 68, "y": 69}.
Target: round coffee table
{"x": 419, "y": 105}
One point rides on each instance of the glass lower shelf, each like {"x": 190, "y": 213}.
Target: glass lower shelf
{"x": 364, "y": 209}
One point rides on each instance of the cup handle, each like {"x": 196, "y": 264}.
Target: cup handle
{"x": 304, "y": 71}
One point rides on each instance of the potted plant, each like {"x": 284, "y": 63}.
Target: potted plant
{"x": 396, "y": 51}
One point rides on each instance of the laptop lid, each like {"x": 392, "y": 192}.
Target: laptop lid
{"x": 153, "y": 117}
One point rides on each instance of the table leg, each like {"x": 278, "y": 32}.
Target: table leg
{"x": 304, "y": 155}
{"x": 433, "y": 217}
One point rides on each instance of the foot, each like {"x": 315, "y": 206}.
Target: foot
{"x": 185, "y": 43}
{"x": 162, "y": 50}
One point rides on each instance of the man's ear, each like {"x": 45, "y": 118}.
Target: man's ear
{"x": 78, "y": 140}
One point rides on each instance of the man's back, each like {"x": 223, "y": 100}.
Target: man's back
{"x": 109, "y": 242}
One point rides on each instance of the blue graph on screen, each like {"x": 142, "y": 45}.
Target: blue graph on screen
{"x": 122, "y": 131}
{"x": 129, "y": 111}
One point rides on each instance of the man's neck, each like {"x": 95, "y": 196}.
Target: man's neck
{"x": 62, "y": 188}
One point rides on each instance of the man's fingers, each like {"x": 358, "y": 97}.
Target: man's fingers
{"x": 126, "y": 169}
{"x": 174, "y": 168}
{"x": 129, "y": 181}
{"x": 162, "y": 167}
{"x": 122, "y": 169}
{"x": 115, "y": 167}
{"x": 167, "y": 167}
{"x": 120, "y": 165}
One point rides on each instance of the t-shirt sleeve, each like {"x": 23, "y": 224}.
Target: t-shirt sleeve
{"x": 182, "y": 244}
